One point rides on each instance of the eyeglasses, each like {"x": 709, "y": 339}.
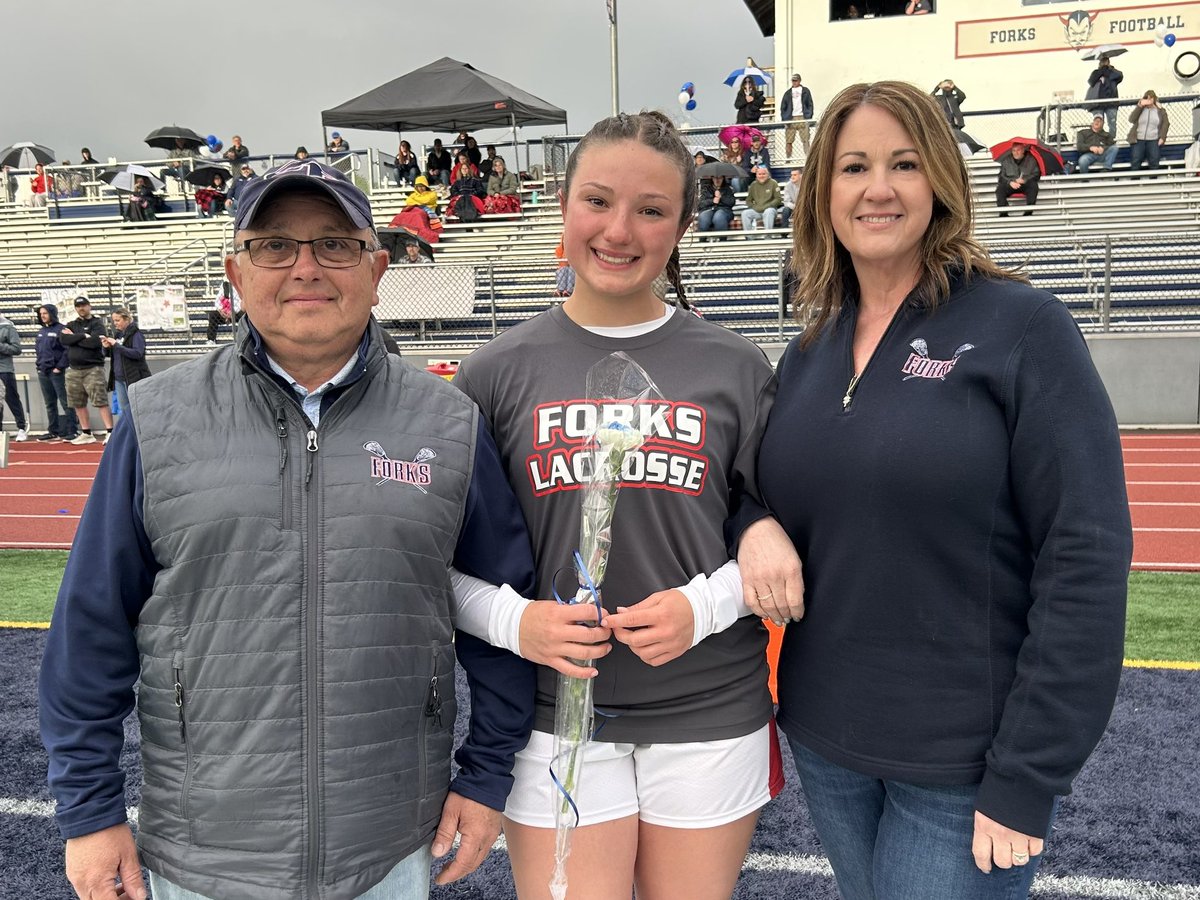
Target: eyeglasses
{"x": 282, "y": 253}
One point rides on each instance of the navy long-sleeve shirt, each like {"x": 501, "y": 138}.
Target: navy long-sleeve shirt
{"x": 966, "y": 541}
{"x": 91, "y": 659}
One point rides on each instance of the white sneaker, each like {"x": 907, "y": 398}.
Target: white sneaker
{"x": 22, "y": 435}
{"x": 106, "y": 437}
{"x": 84, "y": 438}
{"x": 210, "y": 343}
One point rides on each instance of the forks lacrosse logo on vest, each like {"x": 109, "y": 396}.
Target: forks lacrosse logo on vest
{"x": 417, "y": 471}
{"x": 920, "y": 365}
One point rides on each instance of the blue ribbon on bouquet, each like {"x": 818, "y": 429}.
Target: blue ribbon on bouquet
{"x": 586, "y": 578}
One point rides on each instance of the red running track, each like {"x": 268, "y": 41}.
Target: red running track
{"x": 44, "y": 487}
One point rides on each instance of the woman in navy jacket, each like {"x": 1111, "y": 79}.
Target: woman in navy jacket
{"x": 51, "y": 364}
{"x": 945, "y": 460}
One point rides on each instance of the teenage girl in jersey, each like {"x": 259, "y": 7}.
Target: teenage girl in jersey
{"x": 673, "y": 783}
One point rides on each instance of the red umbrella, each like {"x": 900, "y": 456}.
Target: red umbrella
{"x": 1047, "y": 158}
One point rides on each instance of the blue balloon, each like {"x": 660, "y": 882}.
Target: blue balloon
{"x": 688, "y": 86}
{"x": 691, "y": 104}
{"x": 1169, "y": 40}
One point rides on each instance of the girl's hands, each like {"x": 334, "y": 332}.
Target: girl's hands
{"x": 553, "y": 634}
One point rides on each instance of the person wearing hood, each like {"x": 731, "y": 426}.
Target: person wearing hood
{"x": 51, "y": 364}
{"x": 422, "y": 196}
{"x": 10, "y": 346}
{"x": 127, "y": 350}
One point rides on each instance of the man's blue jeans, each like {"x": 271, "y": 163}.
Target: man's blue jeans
{"x": 54, "y": 392}
{"x": 1106, "y": 159}
{"x": 889, "y": 840}
{"x": 408, "y": 880}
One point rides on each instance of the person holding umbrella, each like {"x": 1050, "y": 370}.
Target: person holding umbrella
{"x": 1019, "y": 174}
{"x": 749, "y": 101}
{"x": 944, "y": 458}
{"x": 1102, "y": 85}
{"x": 715, "y": 209}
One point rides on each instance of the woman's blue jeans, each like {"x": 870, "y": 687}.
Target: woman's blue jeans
{"x": 1144, "y": 150}
{"x": 714, "y": 219}
{"x": 888, "y": 840}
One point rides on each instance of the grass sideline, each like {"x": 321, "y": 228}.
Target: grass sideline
{"x": 1163, "y": 621}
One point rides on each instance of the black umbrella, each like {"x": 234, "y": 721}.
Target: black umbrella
{"x": 164, "y": 138}
{"x": 203, "y": 176}
{"x": 963, "y": 138}
{"x": 728, "y": 170}
{"x": 25, "y": 155}
{"x": 394, "y": 239}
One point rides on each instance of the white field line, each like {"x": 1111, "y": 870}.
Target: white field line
{"x": 1166, "y": 483}
{"x": 75, "y": 496}
{"x": 1131, "y": 503}
{"x": 1159, "y": 437}
{"x": 1049, "y": 885}
{"x": 21, "y": 516}
{"x": 1163, "y": 465}
{"x": 1135, "y": 531}
{"x": 25, "y": 476}
{"x": 34, "y": 545}
{"x": 1165, "y": 565}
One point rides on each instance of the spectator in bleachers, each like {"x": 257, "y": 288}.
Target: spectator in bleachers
{"x": 413, "y": 255}
{"x": 143, "y": 202}
{"x": 763, "y": 202}
{"x": 950, "y": 97}
{"x": 791, "y": 193}
{"x": 85, "y": 369}
{"x": 714, "y": 211}
{"x": 470, "y": 146}
{"x": 758, "y": 156}
{"x": 422, "y": 197}
{"x": 503, "y": 190}
{"x": 564, "y": 273}
{"x": 184, "y": 157}
{"x": 467, "y": 191}
{"x": 237, "y": 150}
{"x": 463, "y": 167}
{"x": 227, "y": 309}
{"x": 438, "y": 164}
{"x": 39, "y": 185}
{"x": 126, "y": 350}
{"x": 1019, "y": 174}
{"x": 70, "y": 181}
{"x": 51, "y": 365}
{"x": 10, "y": 184}
{"x": 337, "y": 145}
{"x": 1102, "y": 85}
{"x": 301, "y": 152}
{"x": 796, "y": 108}
{"x": 1093, "y": 144}
{"x": 485, "y": 164}
{"x": 918, "y": 8}
{"x": 852, "y": 12}
{"x": 10, "y": 346}
{"x": 210, "y": 201}
{"x": 245, "y": 176}
{"x": 1149, "y": 131}
{"x": 735, "y": 154}
{"x": 407, "y": 166}
{"x": 86, "y": 158}
{"x": 749, "y": 102}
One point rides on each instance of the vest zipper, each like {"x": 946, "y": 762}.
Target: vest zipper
{"x": 432, "y": 713}
{"x": 285, "y": 487}
{"x": 314, "y": 674}
{"x": 180, "y": 700}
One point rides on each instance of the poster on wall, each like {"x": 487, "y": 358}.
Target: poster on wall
{"x": 63, "y": 299}
{"x": 1076, "y": 30}
{"x": 162, "y": 307}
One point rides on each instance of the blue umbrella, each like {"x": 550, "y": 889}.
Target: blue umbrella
{"x": 760, "y": 77}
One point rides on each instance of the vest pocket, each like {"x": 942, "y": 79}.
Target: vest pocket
{"x": 434, "y": 740}
{"x": 177, "y": 674}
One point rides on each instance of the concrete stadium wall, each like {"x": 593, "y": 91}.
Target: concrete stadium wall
{"x": 1000, "y": 52}
{"x": 1152, "y": 378}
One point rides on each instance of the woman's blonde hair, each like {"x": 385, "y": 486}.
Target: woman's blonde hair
{"x": 820, "y": 262}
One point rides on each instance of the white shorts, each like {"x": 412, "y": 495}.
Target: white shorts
{"x": 697, "y": 785}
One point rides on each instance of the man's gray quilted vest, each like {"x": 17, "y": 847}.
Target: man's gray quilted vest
{"x": 297, "y": 693}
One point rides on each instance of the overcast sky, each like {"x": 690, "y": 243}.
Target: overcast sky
{"x": 105, "y": 75}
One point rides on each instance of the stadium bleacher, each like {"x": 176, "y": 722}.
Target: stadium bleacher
{"x": 1122, "y": 253}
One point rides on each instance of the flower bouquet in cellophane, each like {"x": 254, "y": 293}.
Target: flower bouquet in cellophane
{"x": 616, "y": 385}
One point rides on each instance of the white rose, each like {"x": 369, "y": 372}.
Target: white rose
{"x": 617, "y": 436}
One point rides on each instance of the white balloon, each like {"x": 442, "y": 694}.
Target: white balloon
{"x": 684, "y": 97}
{"x": 1158, "y": 41}
{"x": 1160, "y": 32}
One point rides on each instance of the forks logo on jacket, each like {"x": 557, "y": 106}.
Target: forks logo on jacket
{"x": 417, "y": 471}
{"x": 920, "y": 365}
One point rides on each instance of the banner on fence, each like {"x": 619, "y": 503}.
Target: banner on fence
{"x": 426, "y": 292}
{"x": 162, "y": 307}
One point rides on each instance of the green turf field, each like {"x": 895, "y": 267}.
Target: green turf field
{"x": 1164, "y": 607}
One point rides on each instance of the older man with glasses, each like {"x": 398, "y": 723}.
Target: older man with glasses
{"x": 278, "y": 541}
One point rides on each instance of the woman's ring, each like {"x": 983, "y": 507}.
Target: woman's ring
{"x": 765, "y": 596}
{"x": 1020, "y": 857}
